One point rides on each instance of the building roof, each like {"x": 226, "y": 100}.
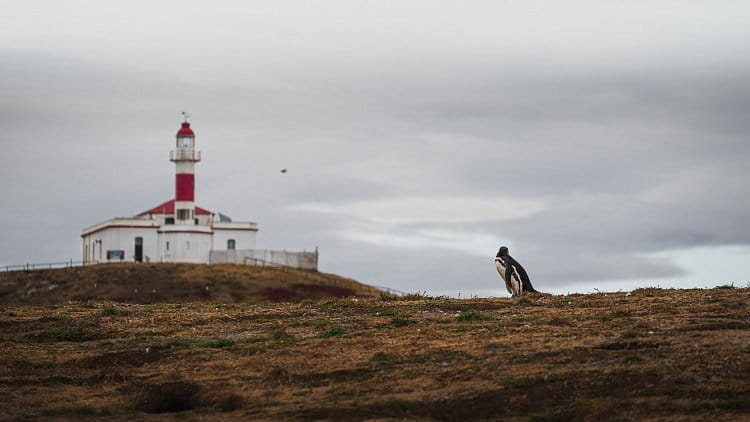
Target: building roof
{"x": 168, "y": 208}
{"x": 123, "y": 222}
{"x": 185, "y": 130}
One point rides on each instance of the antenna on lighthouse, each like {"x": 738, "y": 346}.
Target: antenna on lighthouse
{"x": 186, "y": 115}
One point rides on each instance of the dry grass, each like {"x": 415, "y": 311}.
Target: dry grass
{"x": 152, "y": 283}
{"x": 653, "y": 354}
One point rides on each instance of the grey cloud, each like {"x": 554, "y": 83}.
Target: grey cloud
{"x": 635, "y": 143}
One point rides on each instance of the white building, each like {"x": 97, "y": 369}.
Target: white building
{"x": 179, "y": 231}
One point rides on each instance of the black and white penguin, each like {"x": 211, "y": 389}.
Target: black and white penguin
{"x": 516, "y": 279}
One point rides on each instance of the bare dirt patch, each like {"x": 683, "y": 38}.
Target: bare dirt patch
{"x": 137, "y": 357}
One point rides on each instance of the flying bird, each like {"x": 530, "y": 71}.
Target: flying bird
{"x": 516, "y": 279}
{"x": 283, "y": 170}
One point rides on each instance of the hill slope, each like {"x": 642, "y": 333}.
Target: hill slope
{"x": 653, "y": 354}
{"x": 150, "y": 283}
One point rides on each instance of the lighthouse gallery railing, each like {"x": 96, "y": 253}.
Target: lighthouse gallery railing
{"x": 184, "y": 155}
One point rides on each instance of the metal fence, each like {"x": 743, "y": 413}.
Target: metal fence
{"x": 263, "y": 257}
{"x": 260, "y": 257}
{"x": 45, "y": 265}
{"x": 390, "y": 291}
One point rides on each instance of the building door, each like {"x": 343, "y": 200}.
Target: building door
{"x": 138, "y": 249}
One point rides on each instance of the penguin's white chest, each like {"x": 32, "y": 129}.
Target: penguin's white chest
{"x": 500, "y": 268}
{"x": 513, "y": 285}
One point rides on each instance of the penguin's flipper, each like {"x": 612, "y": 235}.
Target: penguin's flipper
{"x": 517, "y": 286}
{"x": 509, "y": 272}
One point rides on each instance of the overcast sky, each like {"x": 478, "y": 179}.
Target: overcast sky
{"x": 606, "y": 143}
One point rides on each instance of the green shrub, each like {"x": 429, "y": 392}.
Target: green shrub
{"x": 524, "y": 300}
{"x": 280, "y": 333}
{"x": 218, "y": 344}
{"x": 399, "y": 404}
{"x": 496, "y": 346}
{"x": 110, "y": 311}
{"x": 402, "y": 321}
{"x": 383, "y": 357}
{"x": 467, "y": 316}
{"x": 69, "y": 334}
{"x": 630, "y": 334}
{"x": 395, "y": 312}
{"x": 179, "y": 343}
{"x": 333, "y": 332}
{"x": 416, "y": 296}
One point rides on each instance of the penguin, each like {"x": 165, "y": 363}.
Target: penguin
{"x": 516, "y": 279}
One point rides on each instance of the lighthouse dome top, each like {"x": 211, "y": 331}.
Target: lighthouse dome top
{"x": 185, "y": 130}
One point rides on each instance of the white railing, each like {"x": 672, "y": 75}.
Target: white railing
{"x": 186, "y": 155}
{"x": 263, "y": 257}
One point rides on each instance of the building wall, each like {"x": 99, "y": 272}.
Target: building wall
{"x": 176, "y": 246}
{"x": 96, "y": 245}
{"x": 163, "y": 243}
{"x": 244, "y": 239}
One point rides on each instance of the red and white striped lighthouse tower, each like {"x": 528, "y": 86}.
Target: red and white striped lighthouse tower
{"x": 185, "y": 156}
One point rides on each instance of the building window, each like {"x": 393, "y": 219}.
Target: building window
{"x": 167, "y": 245}
{"x": 196, "y": 221}
{"x": 230, "y": 244}
{"x": 169, "y": 220}
{"x": 115, "y": 255}
{"x": 183, "y": 214}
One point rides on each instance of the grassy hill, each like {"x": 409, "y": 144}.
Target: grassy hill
{"x": 651, "y": 354}
{"x": 151, "y": 283}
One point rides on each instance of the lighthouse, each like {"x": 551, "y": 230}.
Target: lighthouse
{"x": 179, "y": 231}
{"x": 184, "y": 157}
